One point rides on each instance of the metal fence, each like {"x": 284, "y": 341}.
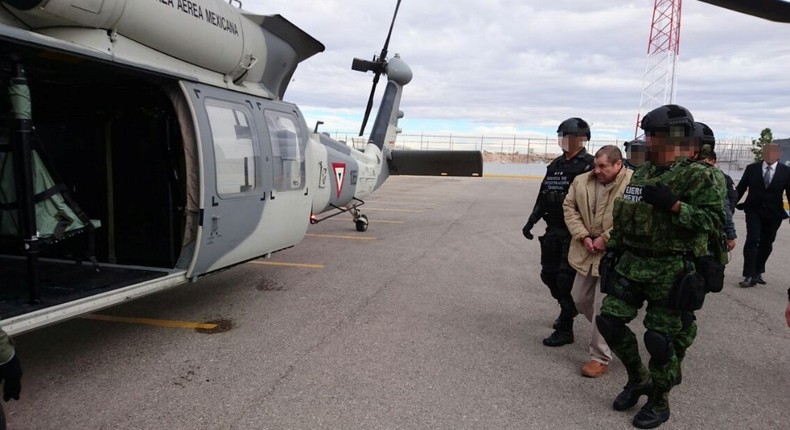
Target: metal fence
{"x": 733, "y": 153}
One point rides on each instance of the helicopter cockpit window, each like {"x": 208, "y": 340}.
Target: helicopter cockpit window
{"x": 234, "y": 149}
{"x": 288, "y": 151}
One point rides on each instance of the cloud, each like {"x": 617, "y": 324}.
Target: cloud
{"x": 524, "y": 66}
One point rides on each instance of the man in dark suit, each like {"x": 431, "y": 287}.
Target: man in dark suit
{"x": 766, "y": 181}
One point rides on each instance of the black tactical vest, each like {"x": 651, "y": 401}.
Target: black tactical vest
{"x": 559, "y": 176}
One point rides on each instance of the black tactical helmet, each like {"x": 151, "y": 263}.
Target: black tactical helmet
{"x": 635, "y": 152}
{"x": 635, "y": 145}
{"x": 704, "y": 135}
{"x": 574, "y": 126}
{"x": 668, "y": 118}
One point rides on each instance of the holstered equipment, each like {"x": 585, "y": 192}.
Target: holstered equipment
{"x": 615, "y": 285}
{"x": 606, "y": 270}
{"x": 711, "y": 267}
{"x": 712, "y": 273}
{"x": 688, "y": 293}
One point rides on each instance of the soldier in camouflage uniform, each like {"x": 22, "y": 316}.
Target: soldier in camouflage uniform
{"x": 661, "y": 226}
{"x": 719, "y": 243}
{"x": 10, "y": 372}
{"x": 555, "y": 271}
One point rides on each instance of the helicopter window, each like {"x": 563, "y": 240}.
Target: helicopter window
{"x": 287, "y": 149}
{"x": 234, "y": 149}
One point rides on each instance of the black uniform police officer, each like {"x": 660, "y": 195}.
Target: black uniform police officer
{"x": 555, "y": 272}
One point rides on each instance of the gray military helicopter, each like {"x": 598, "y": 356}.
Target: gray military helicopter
{"x": 144, "y": 144}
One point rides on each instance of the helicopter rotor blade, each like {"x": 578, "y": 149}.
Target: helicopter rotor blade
{"x": 377, "y": 66}
{"x": 383, "y": 56}
{"x": 370, "y": 103}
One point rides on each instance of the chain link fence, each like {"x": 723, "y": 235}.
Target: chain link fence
{"x": 733, "y": 154}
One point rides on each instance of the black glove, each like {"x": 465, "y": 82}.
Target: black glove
{"x": 526, "y": 230}
{"x": 12, "y": 373}
{"x": 659, "y": 195}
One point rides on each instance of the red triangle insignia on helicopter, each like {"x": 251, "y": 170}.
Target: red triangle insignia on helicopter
{"x": 340, "y": 171}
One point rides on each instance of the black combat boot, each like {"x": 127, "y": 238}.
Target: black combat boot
{"x": 639, "y": 383}
{"x": 655, "y": 412}
{"x": 558, "y": 321}
{"x": 559, "y": 338}
{"x": 563, "y": 325}
{"x": 563, "y": 330}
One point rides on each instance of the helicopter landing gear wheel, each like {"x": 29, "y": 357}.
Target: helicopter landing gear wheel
{"x": 362, "y": 223}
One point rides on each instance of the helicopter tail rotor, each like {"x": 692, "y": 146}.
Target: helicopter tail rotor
{"x": 377, "y": 66}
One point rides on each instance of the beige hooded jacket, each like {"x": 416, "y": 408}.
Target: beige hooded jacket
{"x": 581, "y": 220}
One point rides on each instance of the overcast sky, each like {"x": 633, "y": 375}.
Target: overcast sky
{"x": 504, "y": 67}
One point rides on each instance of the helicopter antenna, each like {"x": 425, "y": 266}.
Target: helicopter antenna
{"x": 377, "y": 66}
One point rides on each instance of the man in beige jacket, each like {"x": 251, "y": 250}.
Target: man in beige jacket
{"x": 588, "y": 215}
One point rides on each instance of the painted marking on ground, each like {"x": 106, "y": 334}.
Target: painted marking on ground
{"x": 384, "y": 221}
{"x": 149, "y": 321}
{"x": 277, "y": 263}
{"x": 338, "y": 236}
{"x": 392, "y": 210}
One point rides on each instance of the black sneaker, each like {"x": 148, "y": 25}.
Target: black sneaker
{"x": 759, "y": 279}
{"x": 559, "y": 338}
{"x": 650, "y": 417}
{"x": 630, "y": 395}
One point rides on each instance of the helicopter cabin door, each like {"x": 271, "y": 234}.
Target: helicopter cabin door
{"x": 254, "y": 194}
{"x": 231, "y": 184}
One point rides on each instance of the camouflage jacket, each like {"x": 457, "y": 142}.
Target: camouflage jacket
{"x": 655, "y": 242}
{"x": 6, "y": 347}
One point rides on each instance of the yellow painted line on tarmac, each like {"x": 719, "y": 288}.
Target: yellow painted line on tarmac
{"x": 277, "y": 263}
{"x": 338, "y": 236}
{"x": 149, "y": 321}
{"x": 376, "y": 221}
{"x": 391, "y": 210}
{"x": 489, "y": 175}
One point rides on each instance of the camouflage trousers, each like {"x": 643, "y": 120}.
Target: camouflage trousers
{"x": 685, "y": 337}
{"x": 658, "y": 317}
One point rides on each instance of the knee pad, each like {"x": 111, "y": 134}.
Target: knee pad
{"x": 611, "y": 328}
{"x": 659, "y": 345}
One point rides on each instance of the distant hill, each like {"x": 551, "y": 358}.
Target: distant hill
{"x": 501, "y": 157}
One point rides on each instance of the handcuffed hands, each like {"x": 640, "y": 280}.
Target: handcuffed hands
{"x": 588, "y": 245}
{"x": 659, "y": 195}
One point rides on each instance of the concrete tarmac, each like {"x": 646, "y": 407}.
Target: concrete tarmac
{"x": 434, "y": 322}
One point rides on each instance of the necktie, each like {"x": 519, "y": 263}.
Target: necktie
{"x": 767, "y": 176}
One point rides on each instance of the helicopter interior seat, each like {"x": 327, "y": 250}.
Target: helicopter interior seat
{"x": 57, "y": 215}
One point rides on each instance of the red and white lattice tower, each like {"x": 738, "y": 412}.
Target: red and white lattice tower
{"x": 658, "y": 83}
